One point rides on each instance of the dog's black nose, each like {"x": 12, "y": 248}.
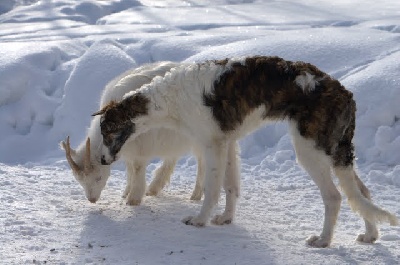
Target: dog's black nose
{"x": 103, "y": 160}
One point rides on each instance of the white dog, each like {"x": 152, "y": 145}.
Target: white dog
{"x": 163, "y": 143}
{"x": 218, "y": 102}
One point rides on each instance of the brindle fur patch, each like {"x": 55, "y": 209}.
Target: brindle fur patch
{"x": 115, "y": 123}
{"x": 325, "y": 114}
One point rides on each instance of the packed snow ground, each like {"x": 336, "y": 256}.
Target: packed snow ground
{"x": 56, "y": 57}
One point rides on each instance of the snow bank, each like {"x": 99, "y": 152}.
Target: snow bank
{"x": 376, "y": 87}
{"x": 46, "y": 93}
{"x": 30, "y": 80}
{"x": 59, "y": 83}
{"x": 101, "y": 63}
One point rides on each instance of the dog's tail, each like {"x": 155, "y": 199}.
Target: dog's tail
{"x": 358, "y": 197}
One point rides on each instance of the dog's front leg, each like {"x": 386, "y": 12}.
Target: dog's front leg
{"x": 231, "y": 185}
{"x": 215, "y": 156}
{"x": 137, "y": 179}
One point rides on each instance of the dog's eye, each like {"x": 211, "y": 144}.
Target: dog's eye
{"x": 107, "y": 140}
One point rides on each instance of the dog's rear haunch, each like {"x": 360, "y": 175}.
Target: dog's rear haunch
{"x": 217, "y": 102}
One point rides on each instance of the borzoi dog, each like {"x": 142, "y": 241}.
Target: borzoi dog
{"x": 217, "y": 102}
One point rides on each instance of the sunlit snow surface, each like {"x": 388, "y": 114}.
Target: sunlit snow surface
{"x": 56, "y": 57}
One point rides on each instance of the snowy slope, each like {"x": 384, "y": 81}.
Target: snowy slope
{"x": 56, "y": 57}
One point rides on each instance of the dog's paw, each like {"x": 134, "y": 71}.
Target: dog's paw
{"x": 151, "y": 192}
{"x": 125, "y": 194}
{"x": 222, "y": 219}
{"x": 318, "y": 242}
{"x": 153, "y": 189}
{"x": 194, "y": 221}
{"x": 370, "y": 236}
{"x": 195, "y": 196}
{"x": 133, "y": 202}
{"x": 364, "y": 238}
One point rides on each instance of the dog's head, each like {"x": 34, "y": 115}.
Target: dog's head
{"x": 117, "y": 124}
{"x": 90, "y": 174}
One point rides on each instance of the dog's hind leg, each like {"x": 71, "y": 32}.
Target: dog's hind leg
{"x": 318, "y": 166}
{"x": 129, "y": 175}
{"x": 357, "y": 193}
{"x": 231, "y": 185}
{"x": 360, "y": 202}
{"x": 371, "y": 233}
{"x": 162, "y": 176}
{"x": 198, "y": 189}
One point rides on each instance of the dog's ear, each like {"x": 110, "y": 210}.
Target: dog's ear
{"x": 110, "y": 105}
{"x": 100, "y": 112}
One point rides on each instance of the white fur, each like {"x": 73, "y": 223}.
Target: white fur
{"x": 306, "y": 81}
{"x": 177, "y": 103}
{"x": 179, "y": 95}
{"x": 163, "y": 143}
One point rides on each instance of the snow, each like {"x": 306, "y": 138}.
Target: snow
{"x": 57, "y": 56}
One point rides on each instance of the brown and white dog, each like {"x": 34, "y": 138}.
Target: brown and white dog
{"x": 217, "y": 102}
